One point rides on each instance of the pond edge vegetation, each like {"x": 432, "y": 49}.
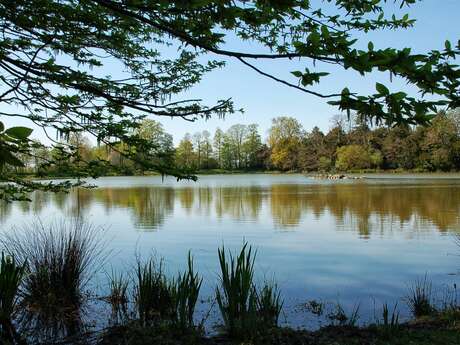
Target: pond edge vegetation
{"x": 45, "y": 273}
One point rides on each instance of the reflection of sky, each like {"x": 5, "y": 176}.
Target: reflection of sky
{"x": 291, "y": 220}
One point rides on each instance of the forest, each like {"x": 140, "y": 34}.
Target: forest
{"x": 350, "y": 145}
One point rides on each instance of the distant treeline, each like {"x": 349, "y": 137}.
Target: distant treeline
{"x": 350, "y": 145}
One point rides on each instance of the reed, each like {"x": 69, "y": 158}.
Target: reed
{"x": 420, "y": 298}
{"x": 237, "y": 297}
{"x": 62, "y": 258}
{"x": 269, "y": 304}
{"x": 245, "y": 309}
{"x": 153, "y": 293}
{"x": 185, "y": 295}
{"x": 118, "y": 297}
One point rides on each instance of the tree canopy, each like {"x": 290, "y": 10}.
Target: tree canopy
{"x": 55, "y": 56}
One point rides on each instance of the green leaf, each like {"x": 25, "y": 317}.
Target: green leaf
{"x": 448, "y": 45}
{"x": 298, "y": 74}
{"x": 382, "y": 89}
{"x": 8, "y": 158}
{"x": 20, "y": 133}
{"x": 399, "y": 96}
{"x": 2, "y": 127}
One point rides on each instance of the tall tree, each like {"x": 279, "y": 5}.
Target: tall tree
{"x": 185, "y": 155}
{"x": 284, "y": 140}
{"x": 218, "y": 142}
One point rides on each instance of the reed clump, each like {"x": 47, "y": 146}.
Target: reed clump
{"x": 61, "y": 257}
{"x": 160, "y": 299}
{"x": 245, "y": 310}
{"x": 420, "y": 298}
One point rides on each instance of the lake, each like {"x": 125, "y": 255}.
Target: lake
{"x": 350, "y": 241}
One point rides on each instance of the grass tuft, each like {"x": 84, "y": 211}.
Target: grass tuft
{"x": 118, "y": 297}
{"x": 153, "y": 293}
{"x": 62, "y": 258}
{"x": 269, "y": 304}
{"x": 420, "y": 298}
{"x": 244, "y": 309}
{"x": 186, "y": 290}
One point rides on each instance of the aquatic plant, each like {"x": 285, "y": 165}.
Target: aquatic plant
{"x": 153, "y": 293}
{"x": 338, "y": 315}
{"x": 237, "y": 296}
{"x": 393, "y": 321}
{"x": 420, "y": 298}
{"x": 245, "y": 309}
{"x": 118, "y": 296}
{"x": 62, "y": 258}
{"x": 269, "y": 304}
{"x": 186, "y": 290}
{"x": 11, "y": 276}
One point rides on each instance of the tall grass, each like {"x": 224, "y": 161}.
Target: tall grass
{"x": 237, "y": 297}
{"x": 118, "y": 297}
{"x": 244, "y": 309}
{"x": 62, "y": 258}
{"x": 269, "y": 304}
{"x": 185, "y": 295}
{"x": 11, "y": 276}
{"x": 153, "y": 293}
{"x": 420, "y": 298}
{"x": 393, "y": 321}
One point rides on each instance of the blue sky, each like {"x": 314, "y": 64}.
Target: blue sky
{"x": 264, "y": 99}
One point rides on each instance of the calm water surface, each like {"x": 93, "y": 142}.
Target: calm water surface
{"x": 356, "y": 241}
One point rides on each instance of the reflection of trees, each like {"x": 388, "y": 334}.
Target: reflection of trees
{"x": 364, "y": 206}
{"x": 238, "y": 202}
{"x": 186, "y": 198}
{"x": 286, "y": 204}
{"x": 150, "y": 205}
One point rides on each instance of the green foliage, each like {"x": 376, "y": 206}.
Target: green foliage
{"x": 352, "y": 157}
{"x": 269, "y": 304}
{"x": 338, "y": 316}
{"x": 11, "y": 277}
{"x": 237, "y": 298}
{"x": 390, "y": 322}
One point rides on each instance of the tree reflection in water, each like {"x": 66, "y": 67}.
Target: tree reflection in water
{"x": 367, "y": 208}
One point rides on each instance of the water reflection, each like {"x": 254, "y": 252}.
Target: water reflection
{"x": 368, "y": 208}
